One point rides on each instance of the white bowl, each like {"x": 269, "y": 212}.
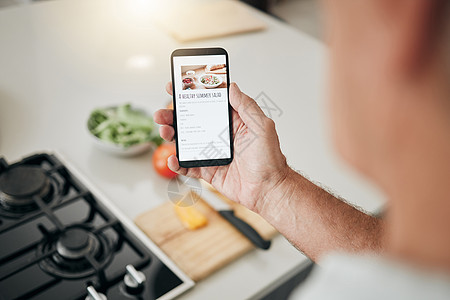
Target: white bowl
{"x": 116, "y": 149}
{"x": 208, "y": 86}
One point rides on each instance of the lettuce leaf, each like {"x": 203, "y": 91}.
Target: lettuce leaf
{"x": 123, "y": 126}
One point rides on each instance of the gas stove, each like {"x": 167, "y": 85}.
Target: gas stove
{"x": 61, "y": 239}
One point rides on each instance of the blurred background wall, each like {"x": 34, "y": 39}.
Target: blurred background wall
{"x": 302, "y": 14}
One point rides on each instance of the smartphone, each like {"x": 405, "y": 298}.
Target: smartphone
{"x": 202, "y": 111}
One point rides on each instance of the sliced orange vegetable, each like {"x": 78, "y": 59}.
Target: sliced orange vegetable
{"x": 190, "y": 217}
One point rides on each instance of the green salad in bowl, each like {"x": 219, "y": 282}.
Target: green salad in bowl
{"x": 123, "y": 130}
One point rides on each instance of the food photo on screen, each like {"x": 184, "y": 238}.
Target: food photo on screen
{"x": 195, "y": 77}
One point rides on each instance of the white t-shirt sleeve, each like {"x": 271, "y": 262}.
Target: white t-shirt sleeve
{"x": 367, "y": 277}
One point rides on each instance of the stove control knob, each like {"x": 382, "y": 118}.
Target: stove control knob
{"x": 134, "y": 280}
{"x": 94, "y": 295}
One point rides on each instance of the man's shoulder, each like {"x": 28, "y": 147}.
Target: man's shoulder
{"x": 369, "y": 277}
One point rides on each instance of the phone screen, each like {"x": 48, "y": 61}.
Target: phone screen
{"x": 200, "y": 86}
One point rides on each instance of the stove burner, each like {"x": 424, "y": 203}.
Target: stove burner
{"x": 20, "y": 184}
{"x": 76, "y": 243}
{"x": 77, "y": 253}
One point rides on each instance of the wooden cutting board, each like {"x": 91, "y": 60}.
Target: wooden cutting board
{"x": 201, "y": 19}
{"x": 201, "y": 252}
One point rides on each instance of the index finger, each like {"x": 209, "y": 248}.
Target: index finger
{"x": 163, "y": 117}
{"x": 169, "y": 87}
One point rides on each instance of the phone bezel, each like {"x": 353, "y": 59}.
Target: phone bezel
{"x": 202, "y": 52}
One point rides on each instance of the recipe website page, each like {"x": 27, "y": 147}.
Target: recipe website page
{"x": 202, "y": 107}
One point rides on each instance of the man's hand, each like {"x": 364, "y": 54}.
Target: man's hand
{"x": 258, "y": 165}
{"x": 314, "y": 221}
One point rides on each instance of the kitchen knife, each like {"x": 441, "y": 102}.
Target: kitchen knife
{"x": 227, "y": 212}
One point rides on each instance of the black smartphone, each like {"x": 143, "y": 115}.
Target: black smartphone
{"x": 202, "y": 111}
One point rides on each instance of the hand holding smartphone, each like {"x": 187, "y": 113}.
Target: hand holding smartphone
{"x": 202, "y": 111}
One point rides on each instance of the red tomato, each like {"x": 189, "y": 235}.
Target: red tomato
{"x": 160, "y": 157}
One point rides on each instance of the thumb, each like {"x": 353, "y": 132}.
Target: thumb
{"x": 247, "y": 108}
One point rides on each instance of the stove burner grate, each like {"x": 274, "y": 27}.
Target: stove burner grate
{"x": 76, "y": 253}
{"x": 20, "y": 185}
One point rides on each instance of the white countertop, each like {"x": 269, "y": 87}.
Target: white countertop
{"x": 60, "y": 59}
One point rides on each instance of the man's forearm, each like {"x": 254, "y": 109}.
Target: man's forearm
{"x": 316, "y": 222}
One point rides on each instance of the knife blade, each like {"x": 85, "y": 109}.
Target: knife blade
{"x": 227, "y": 212}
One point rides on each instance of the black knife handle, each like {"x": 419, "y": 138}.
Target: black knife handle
{"x": 245, "y": 229}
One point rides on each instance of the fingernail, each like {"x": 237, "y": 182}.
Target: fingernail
{"x": 235, "y": 86}
{"x": 170, "y": 165}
